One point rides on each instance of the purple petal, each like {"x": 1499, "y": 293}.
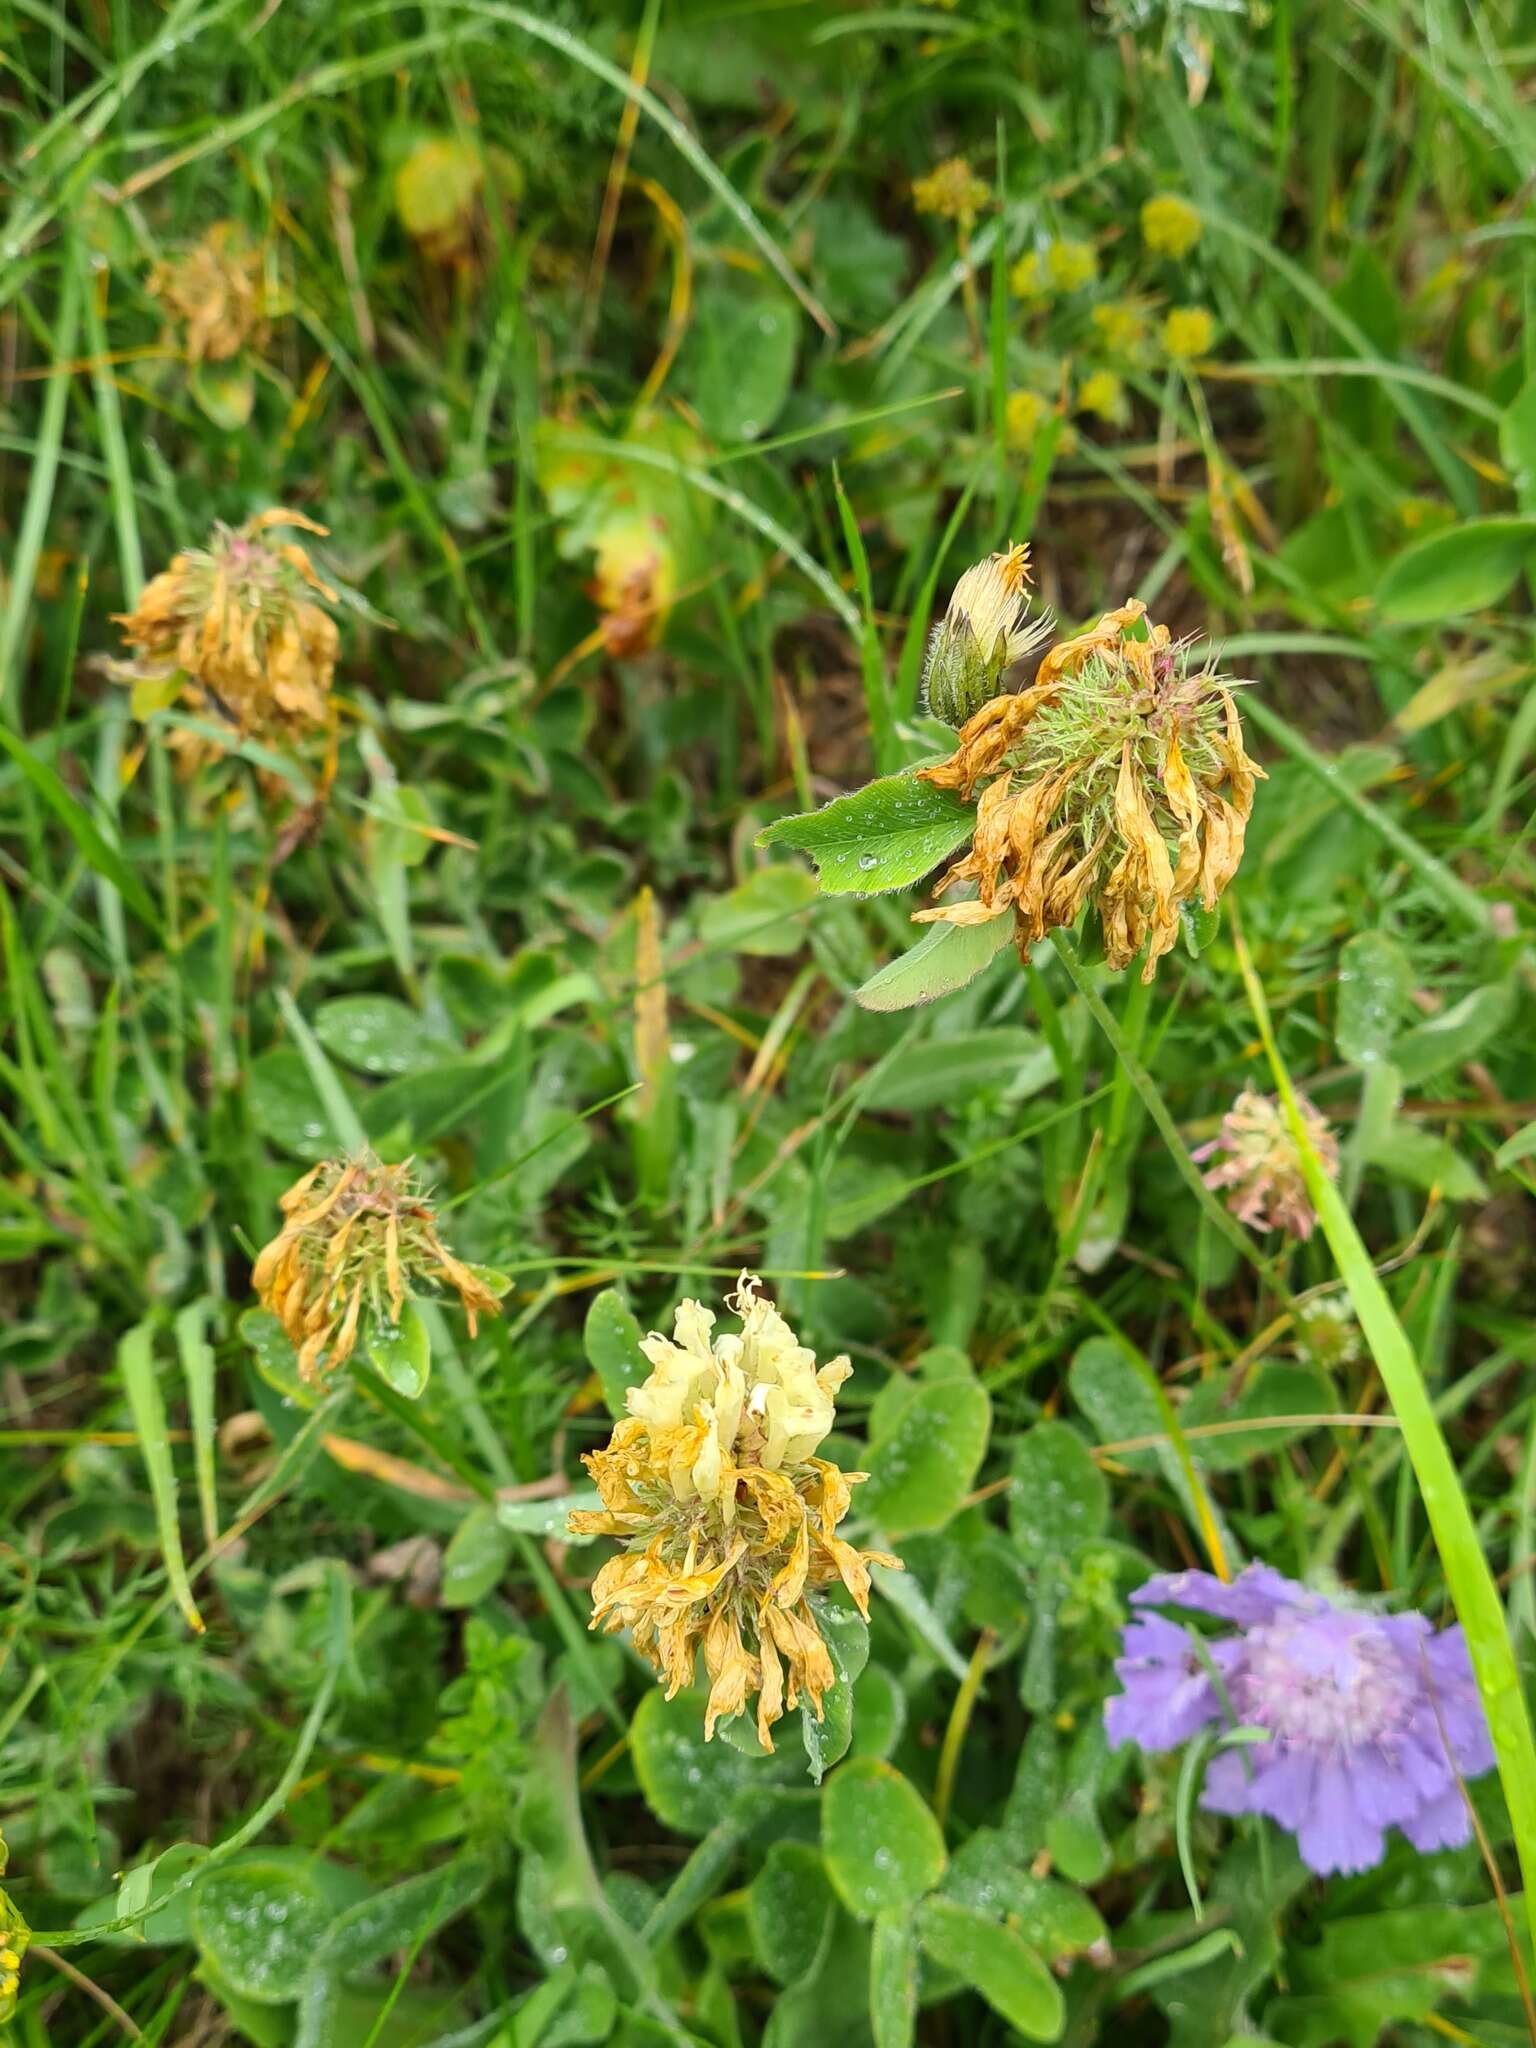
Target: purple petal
{"x": 1256, "y": 1595}
{"x": 1168, "y": 1695}
{"x": 1385, "y": 1793}
{"x": 1335, "y": 1835}
{"x": 1229, "y": 1783}
{"x": 1443, "y": 1823}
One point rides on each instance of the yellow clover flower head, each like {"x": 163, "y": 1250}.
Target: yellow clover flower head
{"x": 951, "y": 191}
{"x": 358, "y": 1237}
{"x": 727, "y": 1517}
{"x": 1169, "y": 225}
{"x": 1121, "y": 326}
{"x": 985, "y": 629}
{"x": 1118, "y": 778}
{"x": 1188, "y": 332}
{"x": 1022, "y": 417}
{"x": 1103, "y": 395}
{"x": 240, "y": 629}
{"x": 214, "y": 292}
{"x": 1070, "y": 265}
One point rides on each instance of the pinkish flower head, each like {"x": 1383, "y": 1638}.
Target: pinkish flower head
{"x": 1258, "y": 1162}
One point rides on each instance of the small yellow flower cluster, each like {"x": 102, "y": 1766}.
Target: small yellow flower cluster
{"x": 1022, "y": 418}
{"x": 214, "y": 292}
{"x": 1102, "y": 394}
{"x": 1121, "y": 326}
{"x": 1118, "y": 777}
{"x": 1170, "y": 226}
{"x": 1062, "y": 266}
{"x": 237, "y": 628}
{"x": 728, "y": 1519}
{"x": 355, "y": 1235}
{"x": 951, "y": 191}
{"x": 1188, "y": 333}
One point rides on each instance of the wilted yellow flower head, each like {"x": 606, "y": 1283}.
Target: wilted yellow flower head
{"x": 1070, "y": 265}
{"x": 442, "y": 191}
{"x": 237, "y": 627}
{"x": 1188, "y": 332}
{"x": 1170, "y": 225}
{"x": 1261, "y": 1167}
{"x": 1121, "y": 325}
{"x": 986, "y": 628}
{"x": 635, "y": 583}
{"x": 728, "y": 1518}
{"x": 1021, "y": 419}
{"x": 1103, "y": 394}
{"x": 214, "y": 291}
{"x": 952, "y": 191}
{"x": 1118, "y": 777}
{"x": 357, "y": 1238}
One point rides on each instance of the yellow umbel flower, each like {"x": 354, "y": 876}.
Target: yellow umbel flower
{"x": 1026, "y": 280}
{"x": 985, "y": 629}
{"x": 951, "y": 191}
{"x": 356, "y": 1235}
{"x": 1188, "y": 332}
{"x": 214, "y": 293}
{"x": 1103, "y": 395}
{"x": 1070, "y": 265}
{"x": 238, "y": 629}
{"x": 1169, "y": 225}
{"x": 1118, "y": 778}
{"x": 729, "y": 1520}
{"x": 1021, "y": 419}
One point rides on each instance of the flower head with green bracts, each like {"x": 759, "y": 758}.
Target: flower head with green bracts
{"x": 984, "y": 631}
{"x": 728, "y": 1518}
{"x": 1118, "y": 778}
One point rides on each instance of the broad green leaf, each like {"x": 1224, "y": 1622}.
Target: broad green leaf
{"x": 765, "y": 916}
{"x": 476, "y": 1557}
{"x": 1425, "y": 1160}
{"x": 1457, "y": 1034}
{"x": 1517, "y": 444}
{"x": 1513, "y": 1150}
{"x": 612, "y": 1336}
{"x": 1058, "y": 1497}
{"x": 947, "y": 957}
{"x": 742, "y": 355}
{"x": 136, "y": 1364}
{"x": 1276, "y": 1390}
{"x": 993, "y": 1960}
{"x": 887, "y": 835}
{"x": 260, "y": 1917}
{"x": 827, "y": 1737}
{"x": 882, "y": 1845}
{"x": 1055, "y": 1918}
{"x": 690, "y": 1784}
{"x": 545, "y": 1517}
{"x": 945, "y": 1071}
{"x": 790, "y": 1904}
{"x": 1373, "y": 1969}
{"x": 379, "y": 1035}
{"x": 401, "y": 1353}
{"x": 922, "y": 1470}
{"x": 1374, "y": 979}
{"x": 227, "y": 396}
{"x": 285, "y": 1106}
{"x": 1466, "y": 569}
{"x": 879, "y": 1712}
{"x": 276, "y": 1359}
{"x": 893, "y": 1979}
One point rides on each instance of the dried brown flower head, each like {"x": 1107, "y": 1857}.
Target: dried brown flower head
{"x": 1261, "y": 1168}
{"x": 1119, "y": 777}
{"x": 238, "y": 628}
{"x": 728, "y": 1518}
{"x": 357, "y": 1238}
{"x": 215, "y": 293}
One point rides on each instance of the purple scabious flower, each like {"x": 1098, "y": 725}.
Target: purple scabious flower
{"x": 1369, "y": 1718}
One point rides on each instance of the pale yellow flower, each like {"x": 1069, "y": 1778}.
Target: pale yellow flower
{"x": 1188, "y": 333}
{"x": 1103, "y": 395}
{"x": 1121, "y": 325}
{"x": 1022, "y": 419}
{"x": 1070, "y": 265}
{"x": 985, "y": 629}
{"x": 1170, "y": 225}
{"x": 728, "y": 1518}
{"x": 951, "y": 191}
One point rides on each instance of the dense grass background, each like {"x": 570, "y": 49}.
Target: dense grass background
{"x": 693, "y": 289}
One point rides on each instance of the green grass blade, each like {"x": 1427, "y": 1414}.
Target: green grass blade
{"x": 197, "y": 1369}
{"x": 77, "y": 821}
{"x": 136, "y": 1363}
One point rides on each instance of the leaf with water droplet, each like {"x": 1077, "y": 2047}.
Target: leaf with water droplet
{"x": 1374, "y": 980}
{"x": 882, "y": 1846}
{"x": 885, "y": 836}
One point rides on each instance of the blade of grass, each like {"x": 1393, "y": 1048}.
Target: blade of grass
{"x": 877, "y": 694}
{"x": 45, "y": 468}
{"x": 136, "y": 1363}
{"x": 1473, "y": 1589}
{"x": 197, "y": 1368}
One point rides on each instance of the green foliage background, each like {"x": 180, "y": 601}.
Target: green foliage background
{"x": 393, "y": 1793}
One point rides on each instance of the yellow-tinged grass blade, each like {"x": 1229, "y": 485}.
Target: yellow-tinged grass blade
{"x": 1473, "y": 1590}
{"x": 136, "y": 1363}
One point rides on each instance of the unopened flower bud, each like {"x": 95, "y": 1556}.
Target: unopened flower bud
{"x": 983, "y": 632}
